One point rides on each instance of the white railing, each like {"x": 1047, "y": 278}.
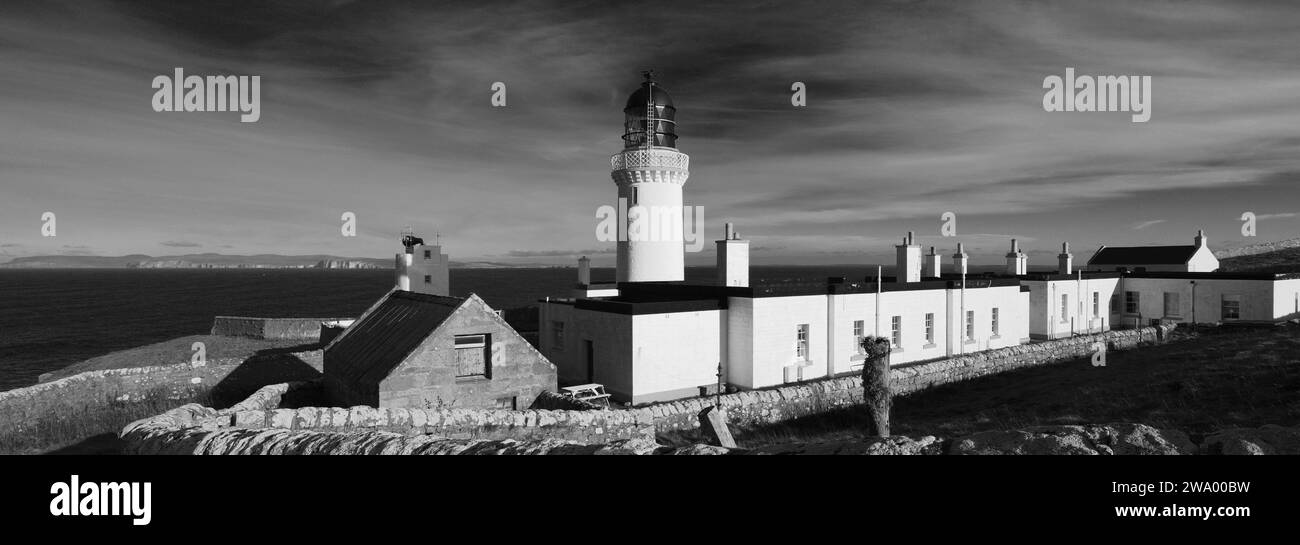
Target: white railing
{"x": 650, "y": 158}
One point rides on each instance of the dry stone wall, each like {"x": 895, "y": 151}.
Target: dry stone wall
{"x": 260, "y": 424}
{"x": 262, "y": 412}
{"x": 758, "y": 407}
{"x": 50, "y": 413}
{"x": 270, "y": 328}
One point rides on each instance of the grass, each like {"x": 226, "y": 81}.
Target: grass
{"x": 1220, "y": 378}
{"x": 180, "y": 350}
{"x": 90, "y": 429}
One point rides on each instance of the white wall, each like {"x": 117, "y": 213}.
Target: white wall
{"x": 1203, "y": 261}
{"x": 1286, "y": 299}
{"x": 1257, "y": 298}
{"x": 1045, "y": 319}
{"x": 772, "y": 325}
{"x": 675, "y": 353}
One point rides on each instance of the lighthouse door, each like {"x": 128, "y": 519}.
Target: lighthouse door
{"x": 590, "y": 353}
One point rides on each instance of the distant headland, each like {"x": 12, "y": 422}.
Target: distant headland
{"x": 221, "y": 261}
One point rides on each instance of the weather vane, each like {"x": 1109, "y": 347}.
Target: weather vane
{"x": 648, "y": 74}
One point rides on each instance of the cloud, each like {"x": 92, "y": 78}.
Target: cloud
{"x": 1144, "y": 224}
{"x": 558, "y": 253}
{"x": 1276, "y": 216}
{"x": 180, "y": 244}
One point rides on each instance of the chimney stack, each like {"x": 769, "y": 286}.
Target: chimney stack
{"x": 909, "y": 260}
{"x": 1017, "y": 261}
{"x": 934, "y": 263}
{"x": 584, "y": 271}
{"x": 733, "y": 259}
{"x": 1200, "y": 238}
{"x": 960, "y": 260}
{"x": 1065, "y": 261}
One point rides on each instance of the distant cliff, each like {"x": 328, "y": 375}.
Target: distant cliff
{"x": 220, "y": 261}
{"x": 199, "y": 261}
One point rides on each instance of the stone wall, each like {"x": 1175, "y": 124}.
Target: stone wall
{"x": 260, "y": 424}
{"x": 66, "y": 410}
{"x": 270, "y": 328}
{"x": 758, "y": 407}
{"x": 261, "y": 412}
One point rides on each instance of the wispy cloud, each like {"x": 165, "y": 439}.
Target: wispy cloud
{"x": 1280, "y": 215}
{"x": 179, "y": 244}
{"x": 1144, "y": 224}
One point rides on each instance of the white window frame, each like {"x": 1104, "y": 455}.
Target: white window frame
{"x": 801, "y": 342}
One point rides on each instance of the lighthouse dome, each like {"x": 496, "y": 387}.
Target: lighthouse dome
{"x": 649, "y": 117}
{"x": 647, "y": 92}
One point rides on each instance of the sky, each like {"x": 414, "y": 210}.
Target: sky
{"x": 383, "y": 109}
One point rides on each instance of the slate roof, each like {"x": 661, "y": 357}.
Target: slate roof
{"x": 386, "y": 334}
{"x": 1154, "y": 255}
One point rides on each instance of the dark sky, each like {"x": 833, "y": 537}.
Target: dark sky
{"x": 382, "y": 108}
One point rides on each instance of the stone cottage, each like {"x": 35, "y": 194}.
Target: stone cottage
{"x": 416, "y": 350}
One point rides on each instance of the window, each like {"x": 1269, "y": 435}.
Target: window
{"x": 970, "y": 326}
{"x": 508, "y": 403}
{"x": 1171, "y": 304}
{"x": 1231, "y": 307}
{"x": 472, "y": 355}
{"x": 428, "y": 279}
{"x": 1065, "y": 307}
{"x": 1114, "y": 302}
{"x": 929, "y": 328}
{"x": 557, "y": 336}
{"x": 1096, "y": 304}
{"x": 859, "y": 331}
{"x": 1131, "y": 300}
{"x": 634, "y": 195}
{"x": 428, "y": 254}
{"x": 801, "y": 343}
{"x": 995, "y": 321}
{"x": 896, "y": 331}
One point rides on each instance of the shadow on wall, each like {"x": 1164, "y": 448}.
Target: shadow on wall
{"x": 270, "y": 366}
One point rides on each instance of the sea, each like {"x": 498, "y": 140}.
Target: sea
{"x": 52, "y": 318}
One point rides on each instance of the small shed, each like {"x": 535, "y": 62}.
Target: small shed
{"x": 424, "y": 351}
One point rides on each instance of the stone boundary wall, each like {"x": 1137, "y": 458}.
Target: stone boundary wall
{"x": 261, "y": 412}
{"x": 759, "y": 407}
{"x": 49, "y": 414}
{"x": 270, "y": 328}
{"x": 258, "y": 423}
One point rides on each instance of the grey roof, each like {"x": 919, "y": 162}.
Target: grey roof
{"x": 1138, "y": 255}
{"x": 385, "y": 335}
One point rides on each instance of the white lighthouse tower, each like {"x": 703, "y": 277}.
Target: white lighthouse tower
{"x": 650, "y": 173}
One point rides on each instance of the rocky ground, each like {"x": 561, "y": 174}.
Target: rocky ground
{"x": 177, "y": 432}
{"x": 1220, "y": 379}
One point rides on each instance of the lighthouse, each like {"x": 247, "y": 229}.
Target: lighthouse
{"x": 650, "y": 173}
